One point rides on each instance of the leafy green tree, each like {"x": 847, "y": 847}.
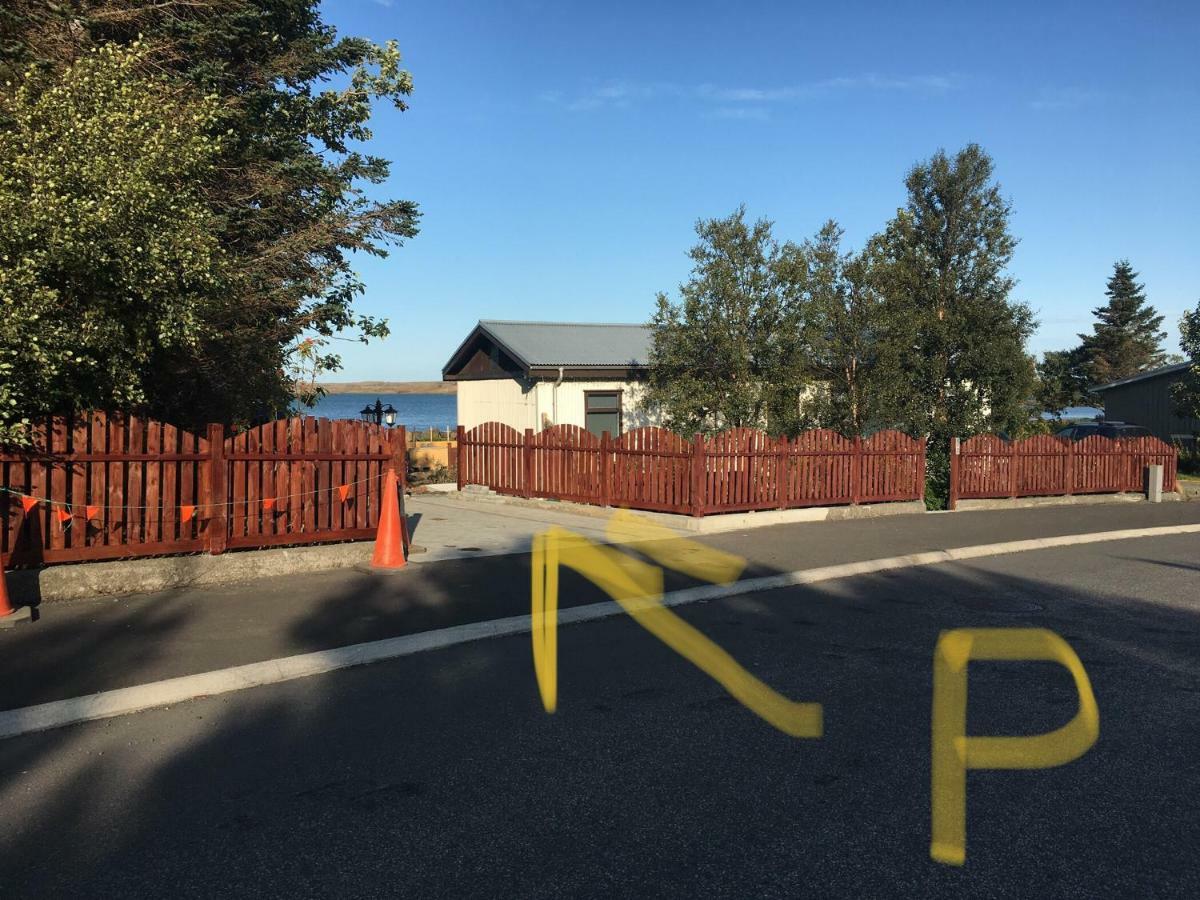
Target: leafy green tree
{"x": 943, "y": 261}
{"x": 1127, "y": 335}
{"x": 287, "y": 193}
{"x": 1186, "y": 393}
{"x": 1062, "y": 380}
{"x": 946, "y": 253}
{"x": 726, "y": 355}
{"x": 850, "y": 343}
{"x": 108, "y": 251}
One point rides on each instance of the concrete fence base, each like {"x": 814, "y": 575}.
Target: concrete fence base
{"x": 80, "y": 581}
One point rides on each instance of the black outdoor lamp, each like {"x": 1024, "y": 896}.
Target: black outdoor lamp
{"x": 375, "y": 413}
{"x": 389, "y": 415}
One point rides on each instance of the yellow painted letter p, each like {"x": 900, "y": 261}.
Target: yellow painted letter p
{"x": 953, "y": 752}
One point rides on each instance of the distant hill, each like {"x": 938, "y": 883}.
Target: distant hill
{"x": 390, "y": 387}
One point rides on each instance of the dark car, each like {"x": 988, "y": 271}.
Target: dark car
{"x": 1103, "y": 429}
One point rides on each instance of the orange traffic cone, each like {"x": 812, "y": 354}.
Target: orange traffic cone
{"x": 392, "y": 535}
{"x": 8, "y": 614}
{"x": 6, "y": 608}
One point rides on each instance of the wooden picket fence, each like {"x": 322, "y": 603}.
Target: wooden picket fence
{"x": 986, "y": 466}
{"x": 108, "y": 486}
{"x": 654, "y": 469}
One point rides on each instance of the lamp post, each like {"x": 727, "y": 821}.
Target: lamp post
{"x": 378, "y": 414}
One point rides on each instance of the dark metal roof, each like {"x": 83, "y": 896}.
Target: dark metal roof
{"x": 542, "y": 345}
{"x": 1142, "y": 376}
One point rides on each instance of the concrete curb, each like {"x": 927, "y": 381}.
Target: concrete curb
{"x": 274, "y": 671}
{"x": 1073, "y": 500}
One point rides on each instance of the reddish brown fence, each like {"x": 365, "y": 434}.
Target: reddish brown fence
{"x": 112, "y": 486}
{"x": 987, "y": 466}
{"x": 655, "y": 469}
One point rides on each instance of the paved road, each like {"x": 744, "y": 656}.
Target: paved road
{"x": 439, "y": 775}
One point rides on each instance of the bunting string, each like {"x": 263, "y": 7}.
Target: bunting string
{"x": 92, "y": 510}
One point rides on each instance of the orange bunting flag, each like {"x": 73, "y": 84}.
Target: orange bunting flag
{"x": 28, "y": 503}
{"x": 64, "y": 515}
{"x": 269, "y": 503}
{"x": 343, "y": 491}
{"x": 93, "y": 511}
{"x": 186, "y": 511}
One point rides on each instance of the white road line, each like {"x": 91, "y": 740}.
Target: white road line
{"x": 274, "y": 671}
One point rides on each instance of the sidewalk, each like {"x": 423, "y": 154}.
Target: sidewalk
{"x": 81, "y": 647}
{"x": 446, "y": 526}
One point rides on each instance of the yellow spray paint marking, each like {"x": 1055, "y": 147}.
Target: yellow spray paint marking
{"x": 638, "y": 588}
{"x": 671, "y": 551}
{"x": 953, "y": 753}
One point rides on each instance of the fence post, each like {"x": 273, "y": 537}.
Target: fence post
{"x": 606, "y": 469}
{"x": 952, "y": 498}
{"x": 781, "y": 467}
{"x": 399, "y": 460}
{"x": 527, "y": 464}
{"x": 1070, "y": 467}
{"x": 921, "y": 469}
{"x": 699, "y": 475}
{"x": 218, "y": 520}
{"x": 1012, "y": 470}
{"x": 460, "y": 457}
{"x": 855, "y": 466}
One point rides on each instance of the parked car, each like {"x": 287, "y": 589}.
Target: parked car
{"x": 1103, "y": 429}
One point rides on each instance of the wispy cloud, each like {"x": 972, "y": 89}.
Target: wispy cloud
{"x": 758, "y": 113}
{"x": 744, "y": 102}
{"x": 1053, "y": 99}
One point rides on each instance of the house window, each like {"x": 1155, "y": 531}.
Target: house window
{"x": 602, "y": 412}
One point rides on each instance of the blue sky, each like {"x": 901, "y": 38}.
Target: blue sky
{"x": 562, "y": 151}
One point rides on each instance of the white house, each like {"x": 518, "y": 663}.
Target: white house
{"x": 536, "y": 374}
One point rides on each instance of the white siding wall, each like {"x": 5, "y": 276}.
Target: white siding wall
{"x": 508, "y": 401}
{"x": 497, "y": 400}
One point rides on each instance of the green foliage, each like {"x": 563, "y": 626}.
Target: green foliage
{"x": 1127, "y": 336}
{"x": 1062, "y": 380}
{"x": 286, "y": 196}
{"x": 107, "y": 245}
{"x": 942, "y": 270}
{"x": 918, "y": 331}
{"x": 726, "y": 354}
{"x": 850, "y": 341}
{"x": 1189, "y": 456}
{"x": 1186, "y": 393}
{"x": 1037, "y": 425}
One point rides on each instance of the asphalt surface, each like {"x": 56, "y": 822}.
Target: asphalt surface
{"x": 440, "y": 775}
{"x": 81, "y": 647}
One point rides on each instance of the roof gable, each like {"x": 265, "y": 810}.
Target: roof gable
{"x": 534, "y": 346}
{"x": 1142, "y": 376}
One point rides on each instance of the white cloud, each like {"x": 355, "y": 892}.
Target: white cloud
{"x": 1052, "y": 99}
{"x": 739, "y": 102}
{"x": 759, "y": 113}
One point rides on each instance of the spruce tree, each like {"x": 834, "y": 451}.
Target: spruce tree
{"x": 1127, "y": 336}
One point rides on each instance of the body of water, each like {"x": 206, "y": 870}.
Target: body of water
{"x": 1071, "y": 412}
{"x": 415, "y": 411}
